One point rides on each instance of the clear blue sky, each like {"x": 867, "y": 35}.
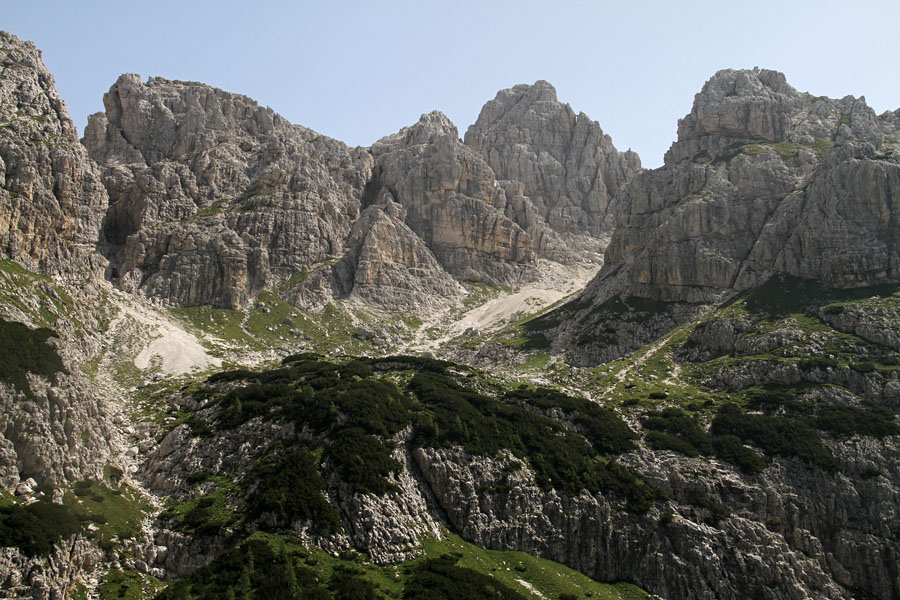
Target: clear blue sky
{"x": 359, "y": 70}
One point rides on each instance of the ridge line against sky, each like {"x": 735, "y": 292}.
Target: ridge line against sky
{"x": 357, "y": 71}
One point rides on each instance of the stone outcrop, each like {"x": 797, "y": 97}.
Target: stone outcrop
{"x": 682, "y": 556}
{"x": 52, "y": 202}
{"x": 791, "y": 531}
{"x": 213, "y": 197}
{"x": 51, "y": 198}
{"x": 762, "y": 180}
{"x": 451, "y": 197}
{"x": 72, "y": 562}
{"x": 387, "y": 264}
{"x": 559, "y": 169}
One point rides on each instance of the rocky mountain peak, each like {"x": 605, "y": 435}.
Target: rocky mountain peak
{"x": 539, "y": 91}
{"x": 51, "y": 200}
{"x": 754, "y": 82}
{"x": 214, "y": 197}
{"x": 428, "y": 129}
{"x": 566, "y": 168}
{"x": 742, "y": 106}
{"x": 165, "y": 119}
{"x": 754, "y": 104}
{"x": 35, "y": 91}
{"x": 763, "y": 180}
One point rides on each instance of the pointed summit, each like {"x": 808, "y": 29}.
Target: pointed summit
{"x": 568, "y": 167}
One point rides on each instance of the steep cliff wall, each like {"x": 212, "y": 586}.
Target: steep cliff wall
{"x": 560, "y": 171}
{"x": 762, "y": 180}
{"x": 51, "y": 198}
{"x": 213, "y": 197}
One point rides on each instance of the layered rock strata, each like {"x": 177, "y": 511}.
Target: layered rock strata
{"x": 450, "y": 195}
{"x": 52, "y": 200}
{"x": 559, "y": 170}
{"x": 213, "y": 197}
{"x": 762, "y": 180}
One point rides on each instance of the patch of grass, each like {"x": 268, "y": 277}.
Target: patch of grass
{"x": 116, "y": 510}
{"x": 294, "y": 280}
{"x": 754, "y": 149}
{"x": 821, "y": 146}
{"x": 276, "y": 566}
{"x": 213, "y": 209}
{"x": 508, "y": 567}
{"x": 209, "y": 513}
{"x": 128, "y": 584}
{"x": 479, "y": 293}
{"x": 786, "y": 149}
{"x": 221, "y": 322}
{"x": 443, "y": 579}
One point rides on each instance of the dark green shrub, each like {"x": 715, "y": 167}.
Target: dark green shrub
{"x": 817, "y": 362}
{"x": 536, "y": 341}
{"x": 26, "y": 351}
{"x": 199, "y": 427}
{"x": 232, "y": 375}
{"x": 871, "y": 473}
{"x": 290, "y": 488}
{"x": 252, "y": 570}
{"x": 677, "y": 430}
{"x": 35, "y": 528}
{"x": 717, "y": 510}
{"x": 197, "y": 477}
{"x": 778, "y": 435}
{"x": 362, "y": 461}
{"x": 441, "y": 579}
{"x": 730, "y": 448}
{"x": 846, "y": 421}
{"x": 663, "y": 441}
{"x": 604, "y": 429}
{"x": 561, "y": 459}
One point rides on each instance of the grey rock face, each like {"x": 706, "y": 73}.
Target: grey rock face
{"x": 684, "y": 558}
{"x": 52, "y": 202}
{"x": 48, "y": 578}
{"x": 51, "y": 198}
{"x": 563, "y": 169}
{"x": 452, "y": 198}
{"x": 213, "y": 197}
{"x": 762, "y": 180}
{"x": 387, "y": 264}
